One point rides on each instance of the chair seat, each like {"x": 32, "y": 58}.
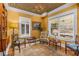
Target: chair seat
{"x": 31, "y": 41}
{"x": 73, "y": 46}
{"x": 44, "y": 40}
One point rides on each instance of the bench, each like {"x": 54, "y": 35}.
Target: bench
{"x": 73, "y": 47}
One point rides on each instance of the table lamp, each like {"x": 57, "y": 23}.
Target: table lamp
{"x": 13, "y": 26}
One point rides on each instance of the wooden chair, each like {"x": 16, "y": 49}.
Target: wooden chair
{"x": 15, "y": 42}
{"x": 73, "y": 45}
{"x": 44, "y": 37}
{"x": 55, "y": 42}
{"x": 58, "y": 43}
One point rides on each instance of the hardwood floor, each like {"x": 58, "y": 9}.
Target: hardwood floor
{"x": 41, "y": 50}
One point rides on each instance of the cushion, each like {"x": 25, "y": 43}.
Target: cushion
{"x": 73, "y": 46}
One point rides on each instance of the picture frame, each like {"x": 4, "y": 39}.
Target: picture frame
{"x": 36, "y": 25}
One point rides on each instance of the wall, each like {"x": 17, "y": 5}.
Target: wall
{"x": 78, "y": 19}
{"x": 13, "y": 17}
{"x": 36, "y": 33}
{"x": 44, "y": 23}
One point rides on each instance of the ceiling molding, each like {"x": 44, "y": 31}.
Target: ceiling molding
{"x": 34, "y": 14}
{"x": 19, "y": 10}
{"x": 61, "y": 7}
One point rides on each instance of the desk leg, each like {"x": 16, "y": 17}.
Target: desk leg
{"x": 49, "y": 43}
{"x": 65, "y": 47}
{"x": 13, "y": 50}
{"x": 35, "y": 42}
{"x": 56, "y": 45}
{"x": 60, "y": 45}
{"x": 25, "y": 43}
{"x": 76, "y": 53}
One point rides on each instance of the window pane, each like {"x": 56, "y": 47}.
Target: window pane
{"x": 23, "y": 28}
{"x": 66, "y": 24}
{"x": 54, "y": 26}
{"x": 27, "y": 28}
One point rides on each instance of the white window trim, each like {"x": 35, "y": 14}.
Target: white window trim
{"x": 74, "y": 11}
{"x": 24, "y": 20}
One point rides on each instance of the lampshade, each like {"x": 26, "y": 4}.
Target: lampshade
{"x": 13, "y": 25}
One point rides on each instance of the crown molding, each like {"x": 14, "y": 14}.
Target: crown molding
{"x": 61, "y": 7}
{"x": 19, "y": 10}
{"x": 34, "y": 14}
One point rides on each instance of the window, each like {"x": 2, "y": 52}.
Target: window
{"x": 25, "y": 26}
{"x": 63, "y": 26}
{"x": 53, "y": 26}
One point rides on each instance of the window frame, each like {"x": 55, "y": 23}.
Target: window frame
{"x": 74, "y": 12}
{"x": 24, "y": 20}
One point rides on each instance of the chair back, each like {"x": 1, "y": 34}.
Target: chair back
{"x": 15, "y": 39}
{"x": 44, "y": 34}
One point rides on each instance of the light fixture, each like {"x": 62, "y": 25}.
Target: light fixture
{"x": 39, "y": 8}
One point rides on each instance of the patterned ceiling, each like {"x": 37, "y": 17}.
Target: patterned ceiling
{"x": 38, "y": 8}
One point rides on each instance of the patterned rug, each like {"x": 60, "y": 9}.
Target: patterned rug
{"x": 37, "y": 50}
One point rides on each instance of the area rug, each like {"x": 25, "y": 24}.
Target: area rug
{"x": 37, "y": 50}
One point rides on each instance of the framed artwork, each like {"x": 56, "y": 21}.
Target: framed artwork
{"x": 36, "y": 25}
